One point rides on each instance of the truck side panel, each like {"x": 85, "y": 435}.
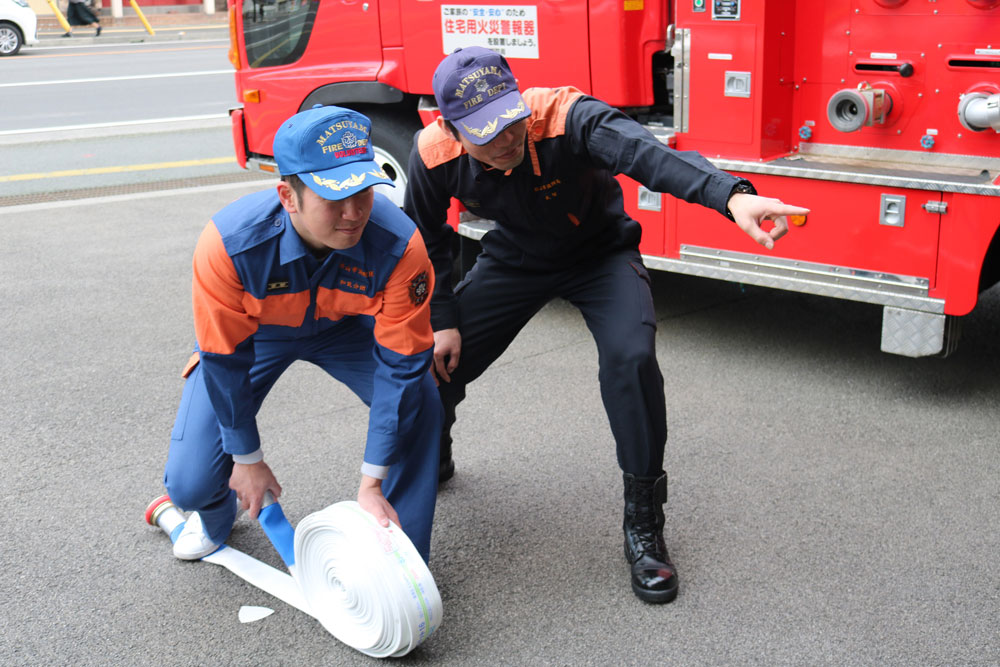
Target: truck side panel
{"x": 546, "y": 41}
{"x": 846, "y": 227}
{"x": 882, "y": 116}
{"x": 339, "y": 43}
{"x": 967, "y": 229}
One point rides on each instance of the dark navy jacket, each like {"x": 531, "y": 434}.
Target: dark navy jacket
{"x": 562, "y": 204}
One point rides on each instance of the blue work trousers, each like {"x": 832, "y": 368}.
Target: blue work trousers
{"x": 198, "y": 471}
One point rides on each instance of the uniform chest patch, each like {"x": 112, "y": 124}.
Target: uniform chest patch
{"x": 418, "y": 289}
{"x": 354, "y": 278}
{"x": 276, "y": 285}
{"x": 549, "y": 190}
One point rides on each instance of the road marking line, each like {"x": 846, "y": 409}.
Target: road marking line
{"x": 70, "y": 203}
{"x": 26, "y": 53}
{"x": 118, "y": 169}
{"x": 100, "y": 79}
{"x": 139, "y": 29}
{"x": 30, "y": 51}
{"x": 119, "y": 123}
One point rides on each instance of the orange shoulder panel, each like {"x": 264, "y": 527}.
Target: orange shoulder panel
{"x": 436, "y": 145}
{"x": 404, "y": 322}
{"x": 549, "y": 108}
{"x": 220, "y": 319}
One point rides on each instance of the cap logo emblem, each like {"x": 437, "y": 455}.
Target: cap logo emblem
{"x": 348, "y": 140}
{"x": 340, "y": 125}
{"x": 475, "y": 76}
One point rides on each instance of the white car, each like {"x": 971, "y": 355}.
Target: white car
{"x": 18, "y": 26}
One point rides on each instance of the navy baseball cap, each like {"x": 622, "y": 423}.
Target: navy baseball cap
{"x": 330, "y": 149}
{"x": 477, "y": 92}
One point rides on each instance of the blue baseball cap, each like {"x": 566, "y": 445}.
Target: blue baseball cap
{"x": 330, "y": 149}
{"x": 477, "y": 92}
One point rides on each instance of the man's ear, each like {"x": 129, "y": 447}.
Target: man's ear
{"x": 286, "y": 194}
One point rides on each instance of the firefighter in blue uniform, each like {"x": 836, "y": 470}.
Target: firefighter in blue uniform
{"x": 542, "y": 166}
{"x": 324, "y": 270}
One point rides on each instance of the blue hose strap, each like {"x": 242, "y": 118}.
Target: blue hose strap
{"x": 279, "y": 531}
{"x": 177, "y": 531}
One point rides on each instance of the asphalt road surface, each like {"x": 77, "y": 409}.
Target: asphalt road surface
{"x": 829, "y": 504}
{"x": 110, "y": 82}
{"x": 108, "y": 114}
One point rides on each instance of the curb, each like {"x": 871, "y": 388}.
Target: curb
{"x": 111, "y": 36}
{"x": 129, "y": 29}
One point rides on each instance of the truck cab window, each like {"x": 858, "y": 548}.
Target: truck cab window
{"x": 276, "y": 31}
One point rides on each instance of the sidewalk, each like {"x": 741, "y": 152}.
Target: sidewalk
{"x": 167, "y": 26}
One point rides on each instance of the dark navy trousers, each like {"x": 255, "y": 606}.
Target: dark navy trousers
{"x": 613, "y": 293}
{"x": 197, "y": 471}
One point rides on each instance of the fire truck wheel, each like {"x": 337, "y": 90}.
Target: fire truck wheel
{"x": 392, "y": 136}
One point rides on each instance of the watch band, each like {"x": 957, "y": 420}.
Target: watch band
{"x": 743, "y": 186}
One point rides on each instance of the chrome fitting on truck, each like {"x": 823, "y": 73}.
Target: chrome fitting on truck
{"x": 850, "y": 109}
{"x": 978, "y": 111}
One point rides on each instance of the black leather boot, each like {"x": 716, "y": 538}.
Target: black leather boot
{"x": 654, "y": 578}
{"x": 446, "y": 468}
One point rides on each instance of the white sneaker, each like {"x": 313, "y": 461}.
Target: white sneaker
{"x": 193, "y": 543}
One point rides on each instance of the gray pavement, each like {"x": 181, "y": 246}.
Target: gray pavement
{"x": 829, "y": 504}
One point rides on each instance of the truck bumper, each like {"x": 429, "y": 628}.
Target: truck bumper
{"x": 239, "y": 136}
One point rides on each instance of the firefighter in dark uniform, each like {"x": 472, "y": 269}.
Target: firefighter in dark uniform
{"x": 542, "y": 165}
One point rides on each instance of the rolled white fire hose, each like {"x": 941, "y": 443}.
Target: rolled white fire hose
{"x": 365, "y": 584}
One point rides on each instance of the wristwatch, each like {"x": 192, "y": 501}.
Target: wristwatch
{"x": 743, "y": 186}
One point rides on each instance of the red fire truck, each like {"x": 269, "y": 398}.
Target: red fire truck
{"x": 881, "y": 116}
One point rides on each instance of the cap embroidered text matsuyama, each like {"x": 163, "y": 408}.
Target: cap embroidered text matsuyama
{"x": 330, "y": 149}
{"x": 477, "y": 92}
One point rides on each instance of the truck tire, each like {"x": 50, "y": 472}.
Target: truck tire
{"x": 10, "y": 39}
{"x": 392, "y": 138}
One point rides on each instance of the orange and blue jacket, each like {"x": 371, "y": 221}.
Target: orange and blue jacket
{"x": 562, "y": 205}
{"x": 255, "y": 281}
